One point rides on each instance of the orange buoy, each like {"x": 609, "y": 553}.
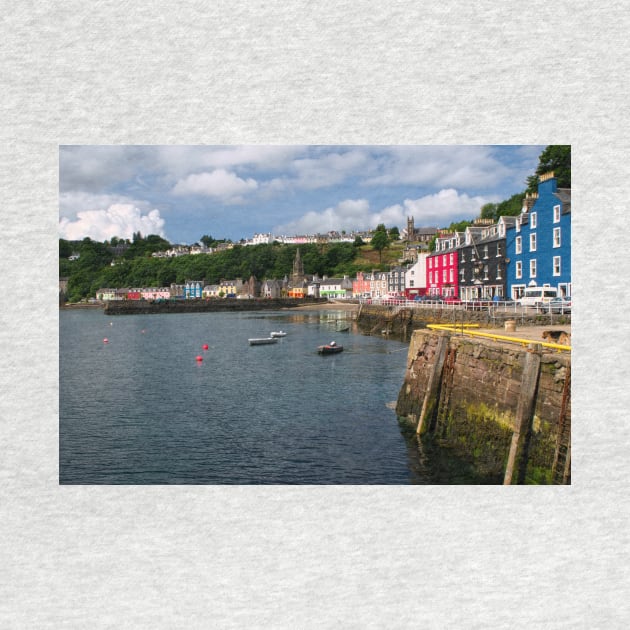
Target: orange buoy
{"x": 205, "y": 346}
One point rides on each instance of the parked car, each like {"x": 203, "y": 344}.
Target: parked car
{"x": 561, "y": 305}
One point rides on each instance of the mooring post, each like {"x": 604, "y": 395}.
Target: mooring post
{"x": 431, "y": 396}
{"x": 517, "y": 458}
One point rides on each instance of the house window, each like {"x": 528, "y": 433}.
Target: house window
{"x": 556, "y": 265}
{"x": 485, "y": 251}
{"x": 443, "y": 275}
{"x": 498, "y": 249}
{"x": 517, "y": 225}
{"x": 450, "y": 257}
{"x": 556, "y": 214}
{"x": 462, "y": 273}
{"x": 518, "y": 244}
{"x": 532, "y": 268}
{"x": 450, "y": 273}
{"x": 532, "y": 242}
{"x": 556, "y": 237}
{"x": 462, "y": 258}
{"x": 499, "y": 272}
{"x": 485, "y": 272}
{"x": 502, "y": 229}
{"x": 532, "y": 221}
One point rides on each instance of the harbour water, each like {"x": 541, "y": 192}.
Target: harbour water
{"x": 141, "y": 409}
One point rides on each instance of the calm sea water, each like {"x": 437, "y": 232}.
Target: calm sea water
{"x": 141, "y": 409}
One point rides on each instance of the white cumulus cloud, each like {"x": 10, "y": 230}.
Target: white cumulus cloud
{"x": 120, "y": 220}
{"x": 349, "y": 214}
{"x": 437, "y": 210}
{"x": 220, "y": 184}
{"x": 444, "y": 207}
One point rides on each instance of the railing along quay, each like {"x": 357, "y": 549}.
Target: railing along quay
{"x": 495, "y": 310}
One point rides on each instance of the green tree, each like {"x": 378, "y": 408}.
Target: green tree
{"x": 379, "y": 242}
{"x": 556, "y": 158}
{"x": 65, "y": 248}
{"x": 459, "y": 226}
{"x": 394, "y": 233}
{"x": 488, "y": 211}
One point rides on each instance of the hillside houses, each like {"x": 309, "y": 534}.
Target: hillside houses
{"x": 489, "y": 260}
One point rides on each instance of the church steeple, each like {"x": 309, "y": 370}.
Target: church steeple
{"x": 298, "y": 268}
{"x": 410, "y": 229}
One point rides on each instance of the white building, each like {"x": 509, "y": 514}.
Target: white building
{"x": 416, "y": 277}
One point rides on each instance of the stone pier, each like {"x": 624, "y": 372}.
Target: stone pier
{"x": 504, "y": 407}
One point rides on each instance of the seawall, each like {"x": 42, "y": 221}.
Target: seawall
{"x": 403, "y": 320}
{"x": 144, "y": 307}
{"x": 505, "y": 408}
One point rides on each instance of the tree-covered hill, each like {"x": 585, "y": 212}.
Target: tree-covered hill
{"x": 98, "y": 266}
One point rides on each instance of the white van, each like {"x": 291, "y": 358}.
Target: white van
{"x": 535, "y": 296}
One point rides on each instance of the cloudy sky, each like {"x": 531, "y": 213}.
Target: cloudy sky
{"x": 234, "y": 192}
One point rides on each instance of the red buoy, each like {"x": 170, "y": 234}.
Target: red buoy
{"x": 205, "y": 346}
{"x": 106, "y": 340}
{"x": 199, "y": 358}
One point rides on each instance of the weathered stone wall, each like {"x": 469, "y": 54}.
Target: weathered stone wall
{"x": 402, "y": 321}
{"x": 468, "y": 394}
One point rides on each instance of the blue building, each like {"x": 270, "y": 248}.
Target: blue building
{"x": 193, "y": 289}
{"x": 538, "y": 247}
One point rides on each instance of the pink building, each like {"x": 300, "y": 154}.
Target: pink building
{"x": 442, "y": 278}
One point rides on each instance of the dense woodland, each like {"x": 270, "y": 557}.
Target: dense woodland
{"x": 120, "y": 263}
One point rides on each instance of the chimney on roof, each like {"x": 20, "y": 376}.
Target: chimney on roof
{"x": 545, "y": 176}
{"x": 529, "y": 201}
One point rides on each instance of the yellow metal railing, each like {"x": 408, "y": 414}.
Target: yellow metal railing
{"x": 465, "y": 329}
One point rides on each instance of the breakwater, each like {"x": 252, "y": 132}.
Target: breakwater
{"x": 145, "y": 307}
{"x": 505, "y": 408}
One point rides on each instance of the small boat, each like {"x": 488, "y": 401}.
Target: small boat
{"x": 330, "y": 348}
{"x": 261, "y": 341}
{"x": 278, "y": 333}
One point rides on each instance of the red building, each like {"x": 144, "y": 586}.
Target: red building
{"x": 442, "y": 279}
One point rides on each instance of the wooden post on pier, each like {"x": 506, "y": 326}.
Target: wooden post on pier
{"x": 432, "y": 395}
{"x": 517, "y": 458}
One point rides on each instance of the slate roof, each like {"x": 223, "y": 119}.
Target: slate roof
{"x": 564, "y": 195}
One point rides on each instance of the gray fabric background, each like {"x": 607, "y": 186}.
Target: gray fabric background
{"x": 313, "y": 557}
